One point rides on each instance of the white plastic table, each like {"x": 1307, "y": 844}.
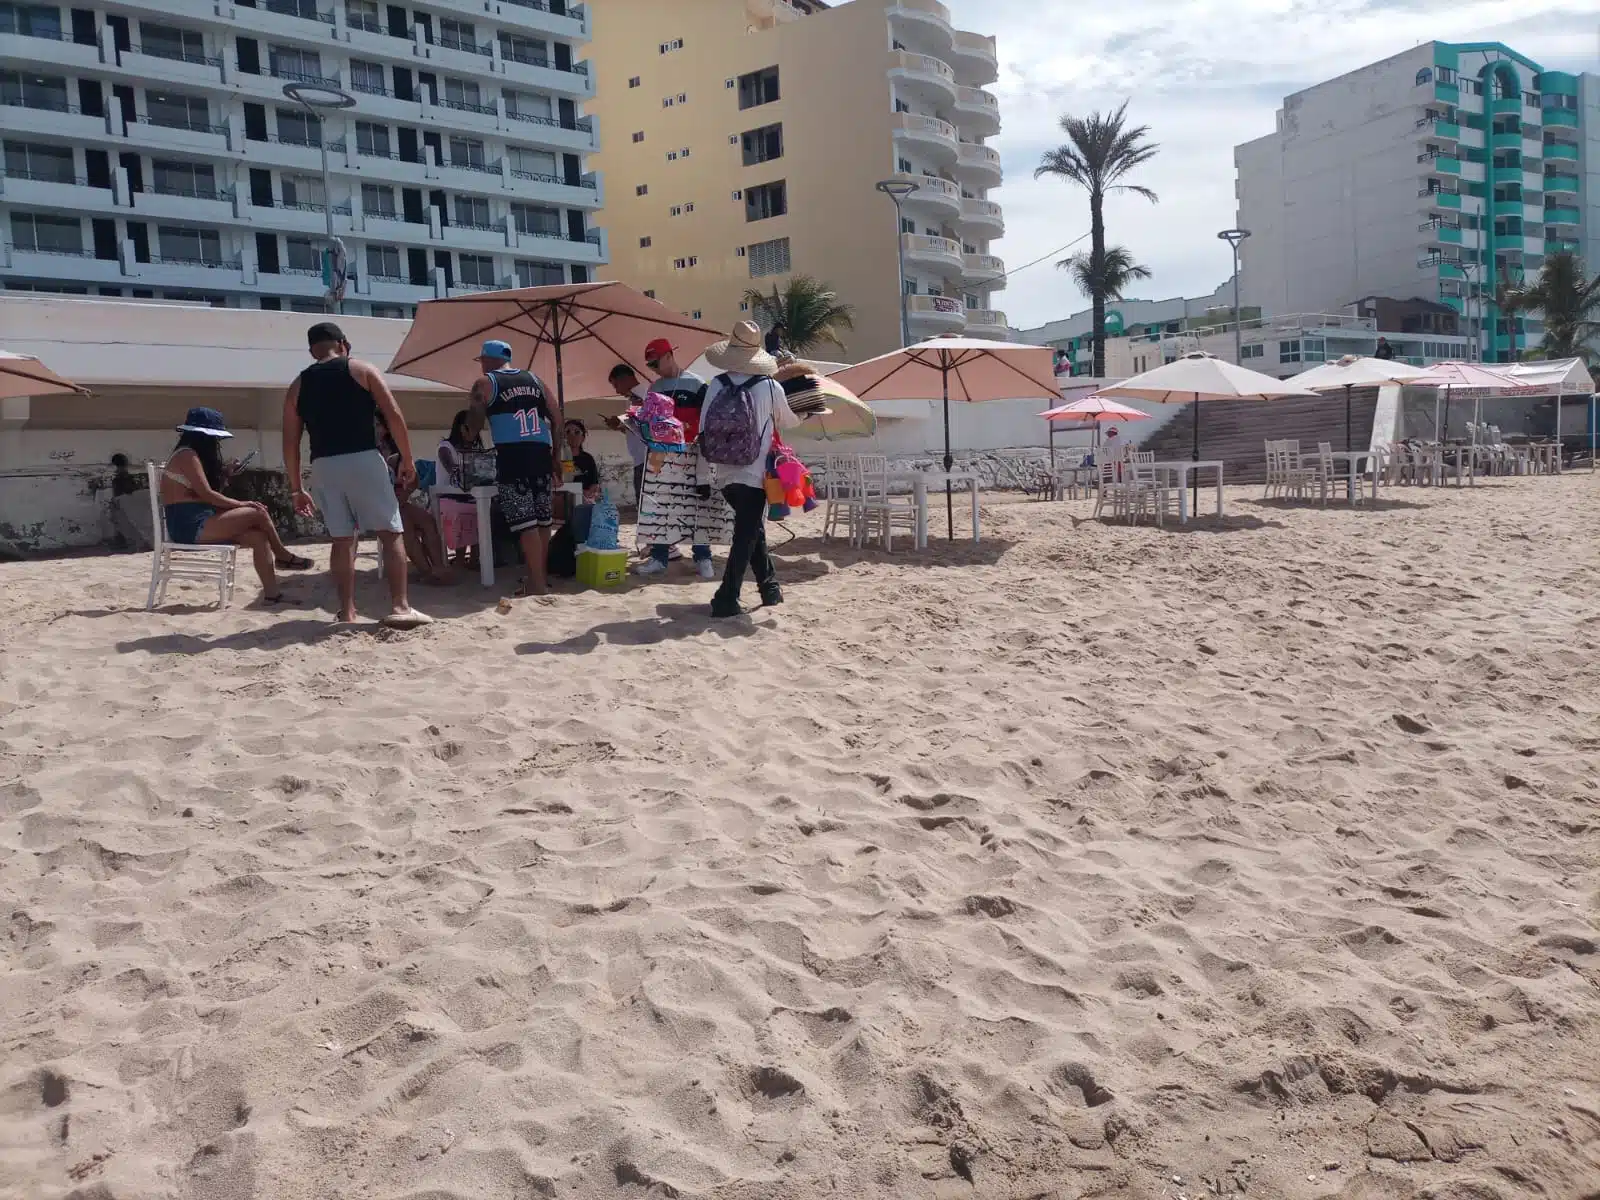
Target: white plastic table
{"x": 1350, "y": 458}
{"x": 921, "y": 481}
{"x": 1180, "y": 471}
{"x": 483, "y": 497}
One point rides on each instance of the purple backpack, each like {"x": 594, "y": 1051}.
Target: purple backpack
{"x": 729, "y": 432}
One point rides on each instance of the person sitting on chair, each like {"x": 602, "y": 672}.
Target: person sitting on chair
{"x": 198, "y": 514}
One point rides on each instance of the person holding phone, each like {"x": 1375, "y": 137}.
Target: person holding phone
{"x": 336, "y": 401}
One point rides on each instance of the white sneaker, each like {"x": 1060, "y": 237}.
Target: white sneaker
{"x": 650, "y": 567}
{"x": 707, "y": 568}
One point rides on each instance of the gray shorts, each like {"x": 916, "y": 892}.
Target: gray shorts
{"x": 354, "y": 494}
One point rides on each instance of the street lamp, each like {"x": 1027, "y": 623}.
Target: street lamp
{"x": 1472, "y": 302}
{"x": 314, "y": 97}
{"x": 897, "y": 190}
{"x": 1233, "y": 237}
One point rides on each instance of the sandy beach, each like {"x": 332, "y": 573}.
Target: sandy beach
{"x": 1260, "y": 860}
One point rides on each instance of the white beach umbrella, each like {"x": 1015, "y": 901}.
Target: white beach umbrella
{"x": 1353, "y": 371}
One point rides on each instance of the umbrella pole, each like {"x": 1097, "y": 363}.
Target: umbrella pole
{"x": 561, "y": 382}
{"x": 1349, "y": 443}
{"x": 949, "y": 503}
{"x": 1194, "y": 456}
{"x": 1052, "y": 445}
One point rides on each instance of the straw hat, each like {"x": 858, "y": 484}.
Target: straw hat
{"x": 743, "y": 352}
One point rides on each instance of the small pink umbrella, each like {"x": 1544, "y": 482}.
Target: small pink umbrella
{"x": 1098, "y": 409}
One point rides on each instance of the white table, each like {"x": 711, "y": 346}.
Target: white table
{"x": 1350, "y": 458}
{"x": 1180, "y": 472}
{"x": 483, "y": 497}
{"x": 921, "y": 481}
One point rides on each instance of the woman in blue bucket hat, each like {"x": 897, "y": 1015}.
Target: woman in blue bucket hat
{"x": 198, "y": 514}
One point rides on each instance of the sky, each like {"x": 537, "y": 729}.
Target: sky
{"x": 1204, "y": 75}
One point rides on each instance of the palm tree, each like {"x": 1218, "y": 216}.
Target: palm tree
{"x": 1098, "y": 153}
{"x": 1569, "y": 304}
{"x": 805, "y": 315}
{"x": 1108, "y": 278}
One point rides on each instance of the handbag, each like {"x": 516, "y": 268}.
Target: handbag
{"x": 478, "y": 469}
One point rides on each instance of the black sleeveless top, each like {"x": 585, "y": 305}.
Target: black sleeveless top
{"x": 338, "y": 413}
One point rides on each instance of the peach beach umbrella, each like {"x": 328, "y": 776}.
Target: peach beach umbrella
{"x": 24, "y": 375}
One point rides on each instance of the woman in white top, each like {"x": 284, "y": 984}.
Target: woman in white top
{"x": 458, "y": 513}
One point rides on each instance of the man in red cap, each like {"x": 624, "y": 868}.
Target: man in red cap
{"x": 688, "y": 393}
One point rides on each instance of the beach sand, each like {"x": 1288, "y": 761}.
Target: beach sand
{"x": 1087, "y": 861}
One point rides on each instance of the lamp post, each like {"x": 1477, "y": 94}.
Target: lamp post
{"x": 897, "y": 190}
{"x": 314, "y": 97}
{"x": 1233, "y": 237}
{"x": 1472, "y": 302}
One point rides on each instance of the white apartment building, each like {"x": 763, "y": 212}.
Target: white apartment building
{"x": 1437, "y": 174}
{"x": 150, "y": 149}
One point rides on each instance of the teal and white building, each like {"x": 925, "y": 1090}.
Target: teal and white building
{"x": 1439, "y": 174}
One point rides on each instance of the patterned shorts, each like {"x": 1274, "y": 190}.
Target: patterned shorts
{"x": 526, "y": 502}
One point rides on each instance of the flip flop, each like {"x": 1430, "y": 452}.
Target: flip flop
{"x": 410, "y": 619}
{"x": 525, "y": 591}
{"x": 294, "y": 562}
{"x": 280, "y": 598}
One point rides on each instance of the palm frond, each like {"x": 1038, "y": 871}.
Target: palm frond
{"x": 807, "y": 314}
{"x": 1108, "y": 275}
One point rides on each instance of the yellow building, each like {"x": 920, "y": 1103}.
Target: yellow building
{"x": 743, "y": 140}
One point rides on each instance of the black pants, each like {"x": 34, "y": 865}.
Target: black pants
{"x": 749, "y": 547}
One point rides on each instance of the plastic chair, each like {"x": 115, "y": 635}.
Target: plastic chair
{"x": 881, "y": 512}
{"x": 841, "y": 505}
{"x": 174, "y": 560}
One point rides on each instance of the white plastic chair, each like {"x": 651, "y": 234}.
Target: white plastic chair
{"x": 841, "y": 504}
{"x": 1149, "y": 489}
{"x": 881, "y": 511}
{"x": 1114, "y": 488}
{"x": 171, "y": 560}
{"x": 1275, "y": 479}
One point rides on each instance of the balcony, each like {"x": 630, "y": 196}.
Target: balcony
{"x": 1561, "y": 118}
{"x": 922, "y": 77}
{"x": 548, "y": 131}
{"x": 978, "y": 165}
{"x": 1555, "y": 245}
{"x": 936, "y": 314}
{"x": 1561, "y": 215}
{"x": 1432, "y": 126}
{"x": 934, "y": 137}
{"x": 935, "y": 253}
{"x": 280, "y": 152}
{"x": 538, "y": 71}
{"x": 535, "y": 15}
{"x": 68, "y": 266}
{"x": 190, "y": 138}
{"x": 1439, "y": 164}
{"x": 1561, "y": 183}
{"x": 978, "y": 112}
{"x": 1506, "y": 140}
{"x": 988, "y": 323}
{"x": 926, "y": 22}
{"x": 1447, "y": 93}
{"x": 160, "y": 62}
{"x": 557, "y": 190}
{"x": 49, "y": 50}
{"x": 1441, "y": 232}
{"x": 974, "y": 57}
{"x": 1560, "y": 151}
{"x": 204, "y": 207}
{"x": 60, "y": 120}
{"x": 983, "y": 217}
{"x": 38, "y": 190}
{"x": 469, "y": 236}
{"x": 933, "y": 196}
{"x": 983, "y": 270}
{"x": 1440, "y": 198}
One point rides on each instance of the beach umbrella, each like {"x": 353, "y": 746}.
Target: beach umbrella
{"x": 1096, "y": 409}
{"x": 971, "y": 370}
{"x": 1353, "y": 371}
{"x": 1476, "y": 378}
{"x": 1197, "y": 377}
{"x": 24, "y": 375}
{"x": 574, "y": 333}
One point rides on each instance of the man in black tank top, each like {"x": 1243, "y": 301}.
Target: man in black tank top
{"x": 335, "y": 400}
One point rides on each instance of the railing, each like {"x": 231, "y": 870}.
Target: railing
{"x": 184, "y": 260}
{"x": 22, "y": 102}
{"x": 985, "y": 316}
{"x": 977, "y": 98}
{"x": 463, "y": 106}
{"x": 466, "y": 47}
{"x": 975, "y": 43}
{"x": 1439, "y": 223}
{"x": 370, "y": 89}
{"x": 582, "y": 124}
{"x": 482, "y": 168}
{"x": 554, "y": 235}
{"x": 308, "y": 272}
{"x": 931, "y": 8}
{"x": 529, "y": 59}
{"x": 1439, "y": 191}
{"x": 57, "y": 251}
{"x": 59, "y": 35}
{"x": 185, "y": 126}
{"x": 474, "y": 225}
{"x": 193, "y": 193}
{"x": 921, "y": 243}
{"x": 916, "y": 123}
{"x": 906, "y": 60}
{"x": 983, "y": 264}
{"x": 384, "y": 277}
{"x": 944, "y": 306}
{"x": 370, "y": 152}
{"x": 535, "y": 177}
{"x": 1292, "y": 323}
{"x": 46, "y": 177}
{"x": 304, "y": 144}
{"x": 977, "y": 210}
{"x": 288, "y": 8}
{"x": 363, "y": 21}
{"x": 176, "y": 54}
{"x": 327, "y": 81}
{"x": 388, "y": 215}
{"x": 973, "y": 154}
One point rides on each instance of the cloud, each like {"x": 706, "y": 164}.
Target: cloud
{"x": 1204, "y": 75}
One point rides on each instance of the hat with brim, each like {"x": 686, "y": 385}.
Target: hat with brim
{"x": 207, "y": 421}
{"x": 743, "y": 352}
{"x": 806, "y": 391}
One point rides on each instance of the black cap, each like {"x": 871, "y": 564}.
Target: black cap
{"x": 323, "y": 332}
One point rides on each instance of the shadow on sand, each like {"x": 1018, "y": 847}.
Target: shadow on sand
{"x": 671, "y": 622}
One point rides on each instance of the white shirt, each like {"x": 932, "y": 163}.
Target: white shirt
{"x": 772, "y": 412}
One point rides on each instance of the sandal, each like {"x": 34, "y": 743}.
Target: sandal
{"x": 294, "y": 562}
{"x": 280, "y": 598}
{"x": 525, "y": 591}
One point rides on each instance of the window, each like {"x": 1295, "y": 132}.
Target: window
{"x": 683, "y": 264}
{"x": 362, "y": 14}
{"x": 168, "y": 41}
{"x": 1257, "y": 350}
{"x": 46, "y": 235}
{"x": 642, "y": 190}
{"x": 185, "y": 179}
{"x": 905, "y": 166}
{"x": 650, "y": 292}
{"x": 31, "y": 20}
{"x": 34, "y": 91}
{"x": 738, "y": 252}
{"x": 367, "y": 77}
{"x": 473, "y": 212}
{"x": 458, "y": 35}
{"x": 372, "y": 140}
{"x": 767, "y": 200}
{"x": 683, "y": 97}
{"x": 738, "y": 193}
{"x": 762, "y": 145}
{"x": 536, "y": 221}
{"x": 377, "y": 200}
{"x": 907, "y": 225}
{"x": 644, "y": 243}
{"x": 302, "y": 191}
{"x": 675, "y": 211}
{"x": 634, "y": 82}
{"x": 477, "y": 270}
{"x": 175, "y": 111}
{"x": 769, "y": 258}
{"x": 528, "y": 51}
{"x": 758, "y": 88}
{"x": 466, "y": 152}
{"x": 393, "y": 312}
{"x": 669, "y": 47}
{"x": 672, "y": 156}
{"x": 540, "y": 274}
{"x": 689, "y": 207}
{"x": 1289, "y": 352}
{"x": 638, "y": 137}
{"x": 29, "y": 160}
{"x": 684, "y": 153}
{"x": 301, "y": 256}
{"x": 695, "y": 315}
{"x": 286, "y": 62}
{"x": 299, "y": 128}
{"x": 538, "y": 164}
{"x": 463, "y": 94}
{"x": 203, "y": 246}
{"x": 667, "y": 102}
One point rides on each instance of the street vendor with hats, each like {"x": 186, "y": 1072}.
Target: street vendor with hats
{"x": 687, "y": 393}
